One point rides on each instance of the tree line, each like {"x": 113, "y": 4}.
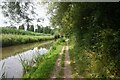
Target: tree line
{"x": 39, "y": 29}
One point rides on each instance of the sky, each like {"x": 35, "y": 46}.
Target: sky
{"x": 1, "y": 19}
{"x": 41, "y": 10}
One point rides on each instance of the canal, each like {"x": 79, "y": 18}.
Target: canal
{"x": 10, "y": 64}
{"x": 13, "y": 50}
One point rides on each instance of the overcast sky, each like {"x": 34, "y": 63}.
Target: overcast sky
{"x": 41, "y": 10}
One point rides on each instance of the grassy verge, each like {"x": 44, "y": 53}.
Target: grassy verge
{"x": 87, "y": 64}
{"x": 45, "y": 64}
{"x": 13, "y": 39}
{"x": 73, "y": 62}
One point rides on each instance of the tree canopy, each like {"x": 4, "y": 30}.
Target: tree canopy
{"x": 95, "y": 27}
{"x": 20, "y": 13}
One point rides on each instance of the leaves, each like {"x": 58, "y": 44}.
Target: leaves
{"x": 95, "y": 27}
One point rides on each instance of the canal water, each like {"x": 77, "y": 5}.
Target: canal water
{"x": 13, "y": 50}
{"x": 10, "y": 63}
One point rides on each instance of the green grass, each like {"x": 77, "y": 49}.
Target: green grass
{"x": 45, "y": 65}
{"x": 4, "y": 30}
{"x": 73, "y": 63}
{"x": 12, "y": 36}
{"x": 13, "y": 39}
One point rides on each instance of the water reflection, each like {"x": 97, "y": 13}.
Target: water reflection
{"x": 12, "y": 50}
{"x": 12, "y": 65}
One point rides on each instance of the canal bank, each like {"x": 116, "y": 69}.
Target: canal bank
{"x": 12, "y": 66}
{"x": 13, "y": 50}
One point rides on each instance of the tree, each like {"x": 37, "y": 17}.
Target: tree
{"x": 19, "y": 13}
{"x": 30, "y": 28}
{"x": 22, "y": 27}
{"x": 95, "y": 27}
{"x": 40, "y": 29}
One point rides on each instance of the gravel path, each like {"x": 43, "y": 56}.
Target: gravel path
{"x": 57, "y": 67}
{"x": 67, "y": 68}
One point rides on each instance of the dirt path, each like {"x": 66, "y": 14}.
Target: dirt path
{"x": 67, "y": 67}
{"x": 57, "y": 67}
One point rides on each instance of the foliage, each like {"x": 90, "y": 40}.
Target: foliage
{"x": 22, "y": 27}
{"x": 19, "y": 13}
{"x": 96, "y": 29}
{"x": 30, "y": 28}
{"x": 45, "y": 30}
